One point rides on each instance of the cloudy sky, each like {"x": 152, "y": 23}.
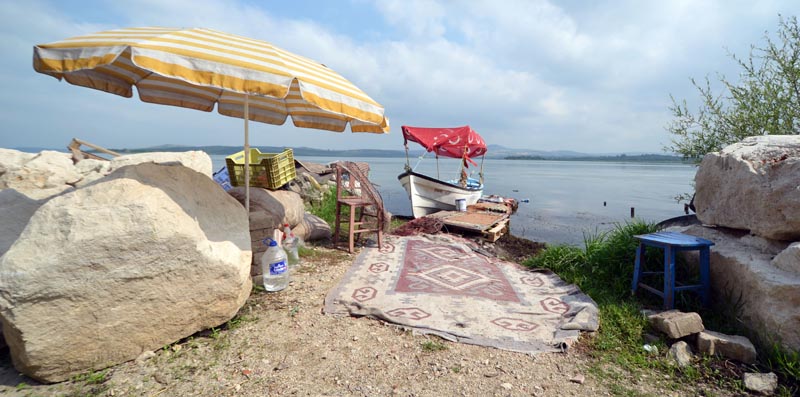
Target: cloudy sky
{"x": 589, "y": 76}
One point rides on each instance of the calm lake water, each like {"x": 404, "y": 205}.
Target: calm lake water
{"x": 566, "y": 197}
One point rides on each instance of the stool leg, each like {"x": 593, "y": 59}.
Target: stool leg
{"x": 705, "y": 276}
{"x": 637, "y": 267}
{"x": 669, "y": 278}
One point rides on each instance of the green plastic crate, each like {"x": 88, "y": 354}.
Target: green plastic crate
{"x": 267, "y": 170}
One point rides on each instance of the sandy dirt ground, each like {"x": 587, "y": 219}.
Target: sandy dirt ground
{"x": 282, "y": 344}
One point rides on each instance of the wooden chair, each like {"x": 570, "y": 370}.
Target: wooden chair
{"x": 355, "y": 191}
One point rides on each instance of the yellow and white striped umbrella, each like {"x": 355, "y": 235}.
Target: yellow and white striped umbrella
{"x": 197, "y": 68}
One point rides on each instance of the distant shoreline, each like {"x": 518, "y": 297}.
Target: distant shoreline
{"x": 500, "y": 154}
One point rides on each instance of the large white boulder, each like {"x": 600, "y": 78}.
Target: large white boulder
{"x": 752, "y": 185}
{"x": 10, "y": 158}
{"x": 197, "y": 160}
{"x": 37, "y": 176}
{"x": 92, "y": 170}
{"x": 744, "y": 277}
{"x": 142, "y": 258}
{"x": 15, "y": 211}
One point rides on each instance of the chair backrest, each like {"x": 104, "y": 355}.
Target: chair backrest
{"x": 348, "y": 174}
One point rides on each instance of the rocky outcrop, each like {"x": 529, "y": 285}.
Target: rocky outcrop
{"x": 37, "y": 176}
{"x": 92, "y": 170}
{"x": 752, "y": 185}
{"x": 743, "y": 276}
{"x": 139, "y": 259}
{"x": 195, "y": 159}
{"x": 49, "y": 173}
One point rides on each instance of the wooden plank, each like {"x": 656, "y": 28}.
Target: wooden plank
{"x": 497, "y": 231}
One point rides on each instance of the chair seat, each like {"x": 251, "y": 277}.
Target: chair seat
{"x": 671, "y": 243}
{"x": 354, "y": 201}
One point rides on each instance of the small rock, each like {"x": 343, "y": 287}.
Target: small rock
{"x": 146, "y": 355}
{"x": 579, "y": 379}
{"x": 731, "y": 346}
{"x": 676, "y": 324}
{"x": 161, "y": 378}
{"x": 681, "y": 354}
{"x": 764, "y": 384}
{"x": 355, "y": 338}
{"x": 506, "y": 386}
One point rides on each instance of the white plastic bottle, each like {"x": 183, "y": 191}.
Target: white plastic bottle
{"x": 290, "y": 245}
{"x": 274, "y": 268}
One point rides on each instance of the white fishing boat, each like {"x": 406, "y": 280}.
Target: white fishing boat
{"x": 428, "y": 194}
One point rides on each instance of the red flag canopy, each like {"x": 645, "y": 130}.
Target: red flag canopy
{"x": 459, "y": 142}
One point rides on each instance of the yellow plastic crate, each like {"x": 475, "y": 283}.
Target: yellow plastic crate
{"x": 267, "y": 170}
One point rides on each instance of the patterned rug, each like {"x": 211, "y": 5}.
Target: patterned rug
{"x": 442, "y": 285}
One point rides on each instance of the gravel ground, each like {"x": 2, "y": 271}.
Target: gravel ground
{"x": 282, "y": 344}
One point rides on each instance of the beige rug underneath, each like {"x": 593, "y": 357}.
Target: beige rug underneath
{"x": 437, "y": 284}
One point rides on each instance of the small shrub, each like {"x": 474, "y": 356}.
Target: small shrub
{"x": 326, "y": 209}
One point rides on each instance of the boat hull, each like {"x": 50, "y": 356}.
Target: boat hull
{"x": 429, "y": 195}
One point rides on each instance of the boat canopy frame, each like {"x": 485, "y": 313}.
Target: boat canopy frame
{"x": 457, "y": 142}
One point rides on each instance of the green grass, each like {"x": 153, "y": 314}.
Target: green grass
{"x": 603, "y": 269}
{"x": 92, "y": 377}
{"x": 326, "y": 209}
{"x": 433, "y": 346}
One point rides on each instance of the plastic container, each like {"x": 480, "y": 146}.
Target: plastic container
{"x": 290, "y": 245}
{"x": 274, "y": 267}
{"x": 267, "y": 170}
{"x": 287, "y": 231}
{"x": 461, "y": 205}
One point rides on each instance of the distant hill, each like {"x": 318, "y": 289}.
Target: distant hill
{"x": 502, "y": 152}
{"x": 299, "y": 151}
{"x": 494, "y": 152}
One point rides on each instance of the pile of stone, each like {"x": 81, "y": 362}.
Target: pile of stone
{"x": 102, "y": 261}
{"x": 748, "y": 200}
{"x": 686, "y": 334}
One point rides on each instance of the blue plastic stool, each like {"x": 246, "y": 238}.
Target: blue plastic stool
{"x": 672, "y": 242}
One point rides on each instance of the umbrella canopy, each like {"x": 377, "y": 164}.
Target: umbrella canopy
{"x": 198, "y": 68}
{"x": 458, "y": 142}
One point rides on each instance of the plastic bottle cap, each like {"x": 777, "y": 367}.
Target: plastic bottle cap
{"x": 272, "y": 243}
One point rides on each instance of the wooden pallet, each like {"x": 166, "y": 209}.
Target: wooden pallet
{"x": 492, "y": 225}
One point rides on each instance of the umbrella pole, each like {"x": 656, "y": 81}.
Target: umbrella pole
{"x": 246, "y": 156}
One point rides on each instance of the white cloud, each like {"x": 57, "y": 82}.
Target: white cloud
{"x": 531, "y": 73}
